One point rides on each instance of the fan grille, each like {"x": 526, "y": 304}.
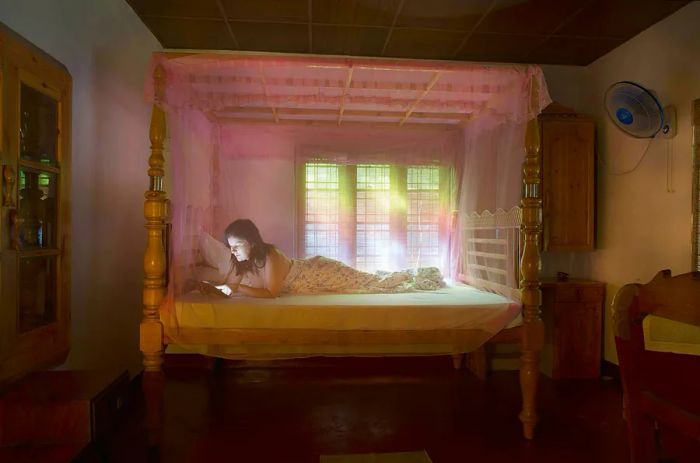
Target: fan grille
{"x": 634, "y": 109}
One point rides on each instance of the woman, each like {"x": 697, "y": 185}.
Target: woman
{"x": 259, "y": 269}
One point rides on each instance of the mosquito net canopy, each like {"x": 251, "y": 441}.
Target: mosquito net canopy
{"x": 369, "y": 161}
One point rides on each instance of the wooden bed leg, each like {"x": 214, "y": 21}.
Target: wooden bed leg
{"x": 457, "y": 361}
{"x": 529, "y": 379}
{"x": 153, "y": 380}
{"x": 153, "y": 383}
{"x": 477, "y": 362}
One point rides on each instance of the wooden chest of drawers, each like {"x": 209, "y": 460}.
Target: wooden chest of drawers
{"x": 572, "y": 312}
{"x": 61, "y": 407}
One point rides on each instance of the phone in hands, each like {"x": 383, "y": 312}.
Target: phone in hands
{"x": 210, "y": 289}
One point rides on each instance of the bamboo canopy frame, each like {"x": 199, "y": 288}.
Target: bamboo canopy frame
{"x": 530, "y": 335}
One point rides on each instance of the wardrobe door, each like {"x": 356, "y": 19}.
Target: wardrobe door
{"x": 568, "y": 174}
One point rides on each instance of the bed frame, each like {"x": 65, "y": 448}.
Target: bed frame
{"x": 530, "y": 335}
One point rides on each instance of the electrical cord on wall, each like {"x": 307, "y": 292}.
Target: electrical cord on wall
{"x": 639, "y": 161}
{"x": 669, "y": 168}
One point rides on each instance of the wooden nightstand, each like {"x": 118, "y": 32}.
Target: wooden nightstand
{"x": 572, "y": 312}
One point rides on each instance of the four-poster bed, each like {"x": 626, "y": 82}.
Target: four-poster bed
{"x": 522, "y": 246}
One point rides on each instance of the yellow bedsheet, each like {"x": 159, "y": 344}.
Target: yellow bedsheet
{"x": 454, "y": 307}
{"x": 451, "y": 320}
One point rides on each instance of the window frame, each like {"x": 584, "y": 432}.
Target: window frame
{"x": 398, "y": 214}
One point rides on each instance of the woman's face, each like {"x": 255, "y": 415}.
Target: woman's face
{"x": 239, "y": 248}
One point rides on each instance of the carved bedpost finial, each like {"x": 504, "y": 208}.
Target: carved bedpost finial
{"x": 157, "y": 131}
{"x": 158, "y": 83}
{"x": 532, "y": 138}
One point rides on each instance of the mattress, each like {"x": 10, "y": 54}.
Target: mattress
{"x": 456, "y": 307}
{"x": 451, "y": 320}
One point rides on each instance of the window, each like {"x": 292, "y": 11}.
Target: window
{"x": 374, "y": 216}
{"x": 373, "y": 227}
{"x": 424, "y": 206}
{"x": 322, "y": 211}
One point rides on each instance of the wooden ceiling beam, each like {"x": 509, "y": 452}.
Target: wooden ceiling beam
{"x": 430, "y": 85}
{"x": 391, "y": 28}
{"x": 345, "y": 94}
{"x": 325, "y": 123}
{"x": 267, "y": 97}
{"x": 347, "y": 112}
{"x": 310, "y": 25}
{"x": 336, "y": 84}
{"x": 222, "y": 11}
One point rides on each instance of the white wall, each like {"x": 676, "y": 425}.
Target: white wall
{"x": 566, "y": 84}
{"x": 644, "y": 220}
{"x": 106, "y": 48}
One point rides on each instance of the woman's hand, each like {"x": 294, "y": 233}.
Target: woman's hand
{"x": 226, "y": 289}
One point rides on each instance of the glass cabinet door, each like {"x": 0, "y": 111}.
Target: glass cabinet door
{"x": 38, "y": 187}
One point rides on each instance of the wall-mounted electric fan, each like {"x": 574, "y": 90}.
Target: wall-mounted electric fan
{"x": 637, "y": 112}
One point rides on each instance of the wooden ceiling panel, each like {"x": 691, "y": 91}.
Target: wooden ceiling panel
{"x": 358, "y": 41}
{"x": 508, "y": 48}
{"x": 284, "y": 38}
{"x": 620, "y": 18}
{"x": 359, "y": 12}
{"x": 176, "y": 8}
{"x": 528, "y": 17}
{"x": 423, "y": 43}
{"x": 267, "y": 10}
{"x": 533, "y": 31}
{"x": 572, "y": 50}
{"x": 459, "y": 15}
{"x": 191, "y": 33}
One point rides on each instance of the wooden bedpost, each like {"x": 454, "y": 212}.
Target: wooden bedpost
{"x": 533, "y": 329}
{"x": 154, "y": 265}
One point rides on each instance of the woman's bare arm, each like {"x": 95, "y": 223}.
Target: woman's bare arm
{"x": 234, "y": 280}
{"x": 231, "y": 284}
{"x": 276, "y": 269}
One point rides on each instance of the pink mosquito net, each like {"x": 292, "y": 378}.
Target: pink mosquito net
{"x": 239, "y": 126}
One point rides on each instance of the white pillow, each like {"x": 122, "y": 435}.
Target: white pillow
{"x": 215, "y": 253}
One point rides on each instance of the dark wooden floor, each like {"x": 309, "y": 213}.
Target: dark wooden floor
{"x": 286, "y": 414}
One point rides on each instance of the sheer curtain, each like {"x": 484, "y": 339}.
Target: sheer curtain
{"x": 491, "y": 180}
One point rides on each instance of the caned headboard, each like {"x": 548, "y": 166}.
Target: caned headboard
{"x": 491, "y": 247}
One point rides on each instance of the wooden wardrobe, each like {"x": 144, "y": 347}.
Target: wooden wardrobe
{"x": 35, "y": 118}
{"x": 568, "y": 179}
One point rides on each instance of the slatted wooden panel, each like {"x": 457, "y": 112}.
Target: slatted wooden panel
{"x": 491, "y": 247}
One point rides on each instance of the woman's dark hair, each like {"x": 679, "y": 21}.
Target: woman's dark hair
{"x": 245, "y": 229}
